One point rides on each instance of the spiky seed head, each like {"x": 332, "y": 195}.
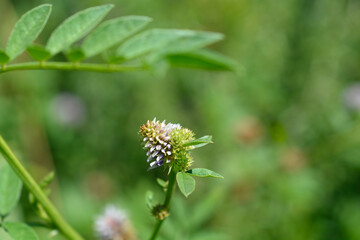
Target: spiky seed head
{"x": 163, "y": 144}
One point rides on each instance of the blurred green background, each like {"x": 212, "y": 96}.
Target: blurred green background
{"x": 286, "y": 127}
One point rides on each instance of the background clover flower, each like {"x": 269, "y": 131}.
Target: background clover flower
{"x": 163, "y": 143}
{"x": 113, "y": 224}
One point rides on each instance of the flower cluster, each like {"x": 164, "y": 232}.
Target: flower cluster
{"x": 163, "y": 143}
{"x": 113, "y": 225}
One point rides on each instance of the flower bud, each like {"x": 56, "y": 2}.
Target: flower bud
{"x": 114, "y": 225}
{"x": 164, "y": 144}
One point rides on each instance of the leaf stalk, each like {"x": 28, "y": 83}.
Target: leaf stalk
{"x": 169, "y": 193}
{"x": 35, "y": 189}
{"x": 69, "y": 66}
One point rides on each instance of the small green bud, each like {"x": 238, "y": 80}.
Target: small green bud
{"x": 160, "y": 212}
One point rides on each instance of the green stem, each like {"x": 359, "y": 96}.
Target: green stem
{"x": 169, "y": 193}
{"x": 34, "y": 188}
{"x": 71, "y": 66}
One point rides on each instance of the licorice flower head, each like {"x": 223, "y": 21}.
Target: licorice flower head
{"x": 113, "y": 224}
{"x": 163, "y": 143}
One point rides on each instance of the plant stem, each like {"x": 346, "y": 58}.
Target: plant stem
{"x": 169, "y": 193}
{"x": 40, "y": 196}
{"x": 71, "y": 66}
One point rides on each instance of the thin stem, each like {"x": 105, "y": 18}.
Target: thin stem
{"x": 93, "y": 67}
{"x": 169, "y": 193}
{"x": 34, "y": 188}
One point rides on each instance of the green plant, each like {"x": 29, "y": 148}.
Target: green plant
{"x": 169, "y": 145}
{"x": 154, "y": 49}
{"x": 117, "y": 40}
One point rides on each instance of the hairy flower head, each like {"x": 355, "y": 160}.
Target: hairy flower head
{"x": 163, "y": 143}
{"x": 113, "y": 224}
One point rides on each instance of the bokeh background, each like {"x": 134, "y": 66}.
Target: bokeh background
{"x": 286, "y": 127}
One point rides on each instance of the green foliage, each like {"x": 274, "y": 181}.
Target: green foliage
{"x": 46, "y": 181}
{"x": 75, "y": 55}
{"x": 149, "y": 196}
{"x": 198, "y": 143}
{"x": 203, "y": 172}
{"x": 10, "y": 189}
{"x": 161, "y": 182}
{"x": 27, "y": 29}
{"x": 38, "y": 52}
{"x": 186, "y": 183}
{"x": 75, "y": 27}
{"x": 157, "y": 49}
{"x": 103, "y": 37}
{"x": 4, "y": 235}
{"x": 20, "y": 231}
{"x": 201, "y": 59}
{"x": 163, "y": 41}
{"x": 4, "y": 58}
{"x": 299, "y": 58}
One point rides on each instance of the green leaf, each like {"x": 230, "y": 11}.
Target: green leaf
{"x": 161, "y": 182}
{"x": 203, "y": 172}
{"x": 20, "y": 231}
{"x": 75, "y": 55}
{"x": 27, "y": 29}
{"x": 38, "y": 52}
{"x": 186, "y": 183}
{"x": 112, "y": 32}
{"x": 4, "y": 235}
{"x": 202, "y": 59}
{"x": 75, "y": 27}
{"x": 10, "y": 189}
{"x": 47, "y": 180}
{"x": 149, "y": 199}
{"x": 200, "y": 142}
{"x": 4, "y": 58}
{"x": 191, "y": 40}
{"x": 165, "y": 41}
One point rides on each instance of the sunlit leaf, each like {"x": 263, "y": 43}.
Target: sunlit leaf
{"x": 203, "y": 172}
{"x": 27, "y": 29}
{"x": 10, "y": 189}
{"x": 201, "y": 59}
{"x": 165, "y": 41}
{"x": 190, "y": 41}
{"x": 20, "y": 231}
{"x": 200, "y": 142}
{"x": 112, "y": 32}
{"x": 186, "y": 183}
{"x": 75, "y": 27}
